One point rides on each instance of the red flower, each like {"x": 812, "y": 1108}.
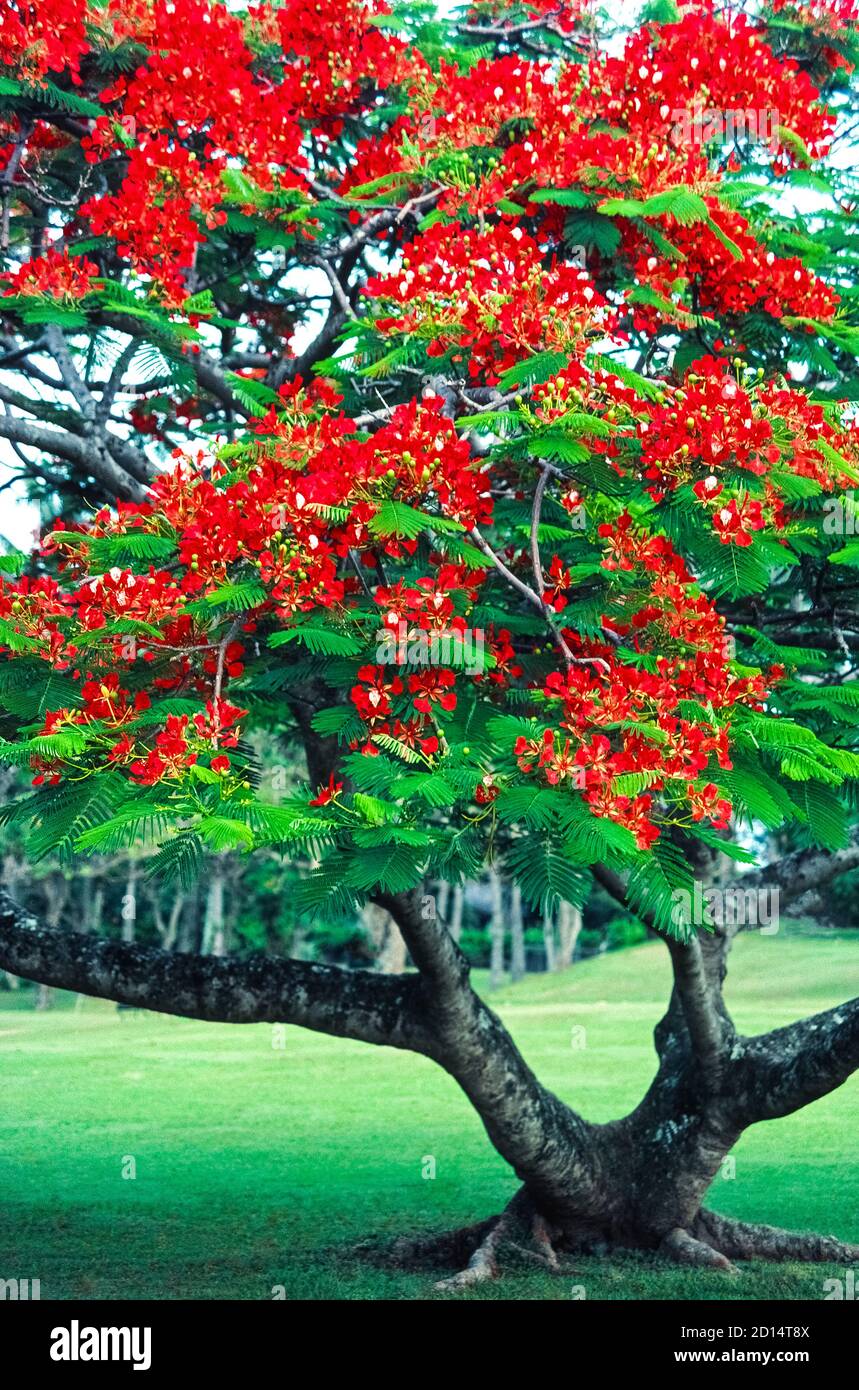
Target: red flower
{"x": 327, "y": 792}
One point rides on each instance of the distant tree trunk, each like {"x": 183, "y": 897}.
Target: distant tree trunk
{"x": 188, "y": 938}
{"x": 569, "y": 926}
{"x": 389, "y": 948}
{"x": 92, "y": 907}
{"x": 170, "y": 935}
{"x": 549, "y": 937}
{"x": 129, "y": 903}
{"x": 214, "y": 942}
{"x": 443, "y": 899}
{"x": 92, "y": 902}
{"x": 517, "y": 935}
{"x": 496, "y": 931}
{"x": 97, "y": 907}
{"x": 168, "y": 928}
{"x": 456, "y": 913}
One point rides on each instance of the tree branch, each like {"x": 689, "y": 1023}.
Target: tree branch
{"x": 783, "y": 1070}
{"x": 85, "y": 455}
{"x": 540, "y": 1137}
{"x": 258, "y": 989}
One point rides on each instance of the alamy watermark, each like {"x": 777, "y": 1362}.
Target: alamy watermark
{"x": 710, "y": 125}
{"x": 841, "y": 515}
{"x": 726, "y": 907}
{"x": 20, "y": 1290}
{"x": 846, "y": 1289}
{"x": 407, "y": 646}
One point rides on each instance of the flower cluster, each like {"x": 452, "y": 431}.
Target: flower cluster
{"x": 45, "y": 36}
{"x": 486, "y": 300}
{"x": 54, "y": 275}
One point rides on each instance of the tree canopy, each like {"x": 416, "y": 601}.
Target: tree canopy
{"x": 400, "y": 334}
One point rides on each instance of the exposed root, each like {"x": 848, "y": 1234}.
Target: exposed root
{"x": 518, "y": 1223}
{"x": 483, "y": 1264}
{"x": 685, "y": 1249}
{"x": 744, "y": 1240}
{"x": 710, "y": 1242}
{"x": 441, "y": 1248}
{"x": 542, "y": 1236}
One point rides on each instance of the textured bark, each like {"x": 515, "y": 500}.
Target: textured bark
{"x": 261, "y": 989}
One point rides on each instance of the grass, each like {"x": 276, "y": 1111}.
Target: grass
{"x": 259, "y": 1166}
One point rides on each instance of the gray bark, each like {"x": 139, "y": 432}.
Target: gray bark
{"x": 214, "y": 943}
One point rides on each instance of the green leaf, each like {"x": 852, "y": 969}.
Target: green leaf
{"x": 322, "y": 641}
{"x": 533, "y": 370}
{"x": 848, "y": 556}
{"x": 565, "y": 197}
{"x": 545, "y": 874}
{"x": 392, "y": 868}
{"x": 399, "y": 519}
{"x": 223, "y": 833}
{"x": 238, "y": 597}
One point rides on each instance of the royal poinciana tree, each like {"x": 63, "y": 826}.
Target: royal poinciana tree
{"x": 326, "y": 325}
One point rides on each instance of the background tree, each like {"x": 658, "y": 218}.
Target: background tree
{"x": 391, "y": 330}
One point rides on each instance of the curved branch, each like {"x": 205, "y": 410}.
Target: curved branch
{"x": 259, "y": 989}
{"x": 536, "y": 562}
{"x": 209, "y": 375}
{"x": 72, "y": 380}
{"x": 548, "y": 1144}
{"x": 86, "y": 456}
{"x": 781, "y": 1071}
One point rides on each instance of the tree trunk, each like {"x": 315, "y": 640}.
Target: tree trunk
{"x": 517, "y": 935}
{"x": 92, "y": 907}
{"x": 389, "y": 948}
{"x": 175, "y": 917}
{"x": 213, "y": 925}
{"x": 56, "y": 889}
{"x": 12, "y": 873}
{"x": 443, "y": 899}
{"x": 129, "y": 903}
{"x": 569, "y": 926}
{"x": 549, "y": 938}
{"x": 190, "y": 936}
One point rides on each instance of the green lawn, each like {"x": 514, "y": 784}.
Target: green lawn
{"x": 258, "y": 1167}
